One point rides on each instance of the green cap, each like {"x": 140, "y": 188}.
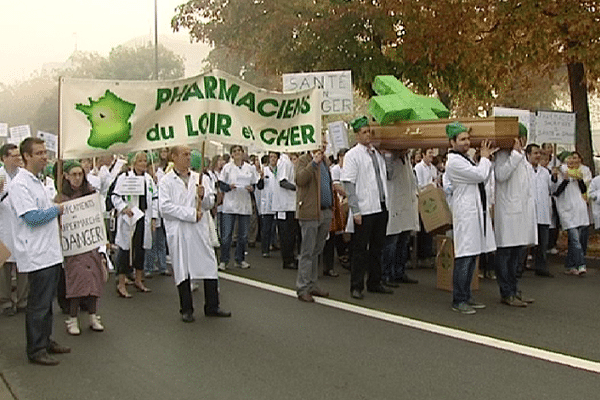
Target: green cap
{"x": 196, "y": 161}
{"x": 562, "y": 156}
{"x": 455, "y": 128}
{"x": 522, "y": 130}
{"x": 359, "y": 122}
{"x": 70, "y": 164}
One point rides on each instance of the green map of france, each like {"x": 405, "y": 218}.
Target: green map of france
{"x": 109, "y": 117}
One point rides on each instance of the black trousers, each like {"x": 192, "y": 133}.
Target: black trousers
{"x": 211, "y": 296}
{"x": 137, "y": 246}
{"x": 289, "y": 232}
{"x": 367, "y": 243}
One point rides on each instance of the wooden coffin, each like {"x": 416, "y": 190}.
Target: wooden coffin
{"x": 501, "y": 131}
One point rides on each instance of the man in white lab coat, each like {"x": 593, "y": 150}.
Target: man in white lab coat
{"x": 185, "y": 201}
{"x": 472, "y": 226}
{"x": 514, "y": 220}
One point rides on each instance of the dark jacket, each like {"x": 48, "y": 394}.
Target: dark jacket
{"x": 308, "y": 184}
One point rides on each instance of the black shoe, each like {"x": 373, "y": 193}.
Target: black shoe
{"x": 406, "y": 279}
{"x": 357, "y": 294}
{"x": 187, "y": 317}
{"x": 218, "y": 313}
{"x": 380, "y": 289}
{"x": 544, "y": 274}
{"x": 390, "y": 284}
{"x": 290, "y": 266}
{"x": 43, "y": 359}
{"x": 55, "y": 348}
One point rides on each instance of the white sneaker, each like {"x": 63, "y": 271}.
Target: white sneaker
{"x": 572, "y": 271}
{"x": 95, "y": 323}
{"x": 553, "y": 251}
{"x": 194, "y": 286}
{"x": 72, "y": 324}
{"x": 242, "y": 265}
{"x": 222, "y": 266}
{"x": 582, "y": 270}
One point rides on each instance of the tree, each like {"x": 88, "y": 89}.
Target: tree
{"x": 470, "y": 52}
{"x": 35, "y": 101}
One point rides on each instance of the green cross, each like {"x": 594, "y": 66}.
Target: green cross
{"x": 395, "y": 102}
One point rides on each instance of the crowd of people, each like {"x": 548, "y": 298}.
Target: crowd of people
{"x": 361, "y": 204}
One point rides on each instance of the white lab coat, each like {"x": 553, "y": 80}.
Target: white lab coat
{"x": 594, "y": 198}
{"x": 572, "y": 209}
{"x": 6, "y": 216}
{"x": 189, "y": 241}
{"x": 426, "y": 174}
{"x": 470, "y": 237}
{"x": 285, "y": 199}
{"x": 541, "y": 187}
{"x": 404, "y": 206}
{"x": 123, "y": 236}
{"x": 514, "y": 211}
{"x": 265, "y": 205}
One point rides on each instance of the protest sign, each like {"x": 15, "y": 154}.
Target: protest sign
{"x": 338, "y": 133}
{"x": 335, "y": 87}
{"x": 555, "y": 127}
{"x": 18, "y": 133}
{"x": 526, "y": 117}
{"x": 3, "y": 129}
{"x": 50, "y": 139}
{"x": 82, "y": 225}
{"x": 124, "y": 116}
{"x": 130, "y": 186}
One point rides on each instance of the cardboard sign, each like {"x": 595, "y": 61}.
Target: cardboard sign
{"x": 18, "y": 133}
{"x": 50, "y": 139}
{"x": 555, "y": 127}
{"x": 444, "y": 265}
{"x": 82, "y": 225}
{"x": 130, "y": 186}
{"x": 338, "y": 133}
{"x": 335, "y": 88}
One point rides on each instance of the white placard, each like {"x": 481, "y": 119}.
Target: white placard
{"x": 241, "y": 181}
{"x": 130, "y": 186}
{"x": 338, "y": 133}
{"x": 555, "y": 127}
{"x": 526, "y": 117}
{"x": 50, "y": 139}
{"x": 336, "y": 89}
{"x": 18, "y": 133}
{"x": 82, "y": 225}
{"x": 3, "y": 129}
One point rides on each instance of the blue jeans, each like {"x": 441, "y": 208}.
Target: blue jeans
{"x": 158, "y": 252}
{"x": 462, "y": 275}
{"x": 38, "y": 317}
{"x": 242, "y": 236}
{"x": 394, "y": 256}
{"x": 507, "y": 261}
{"x": 576, "y": 250}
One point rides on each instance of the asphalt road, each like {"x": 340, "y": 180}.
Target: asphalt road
{"x": 275, "y": 347}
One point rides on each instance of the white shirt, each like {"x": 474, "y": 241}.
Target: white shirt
{"x": 542, "y": 184}
{"x": 37, "y": 247}
{"x": 285, "y": 199}
{"x": 238, "y": 201}
{"x": 426, "y": 174}
{"x": 336, "y": 173}
{"x": 359, "y": 170}
{"x": 268, "y": 192}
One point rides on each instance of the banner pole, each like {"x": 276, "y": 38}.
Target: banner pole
{"x": 59, "y": 160}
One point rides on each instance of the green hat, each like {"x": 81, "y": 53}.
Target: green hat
{"x": 522, "y": 130}
{"x": 562, "y": 156}
{"x": 70, "y": 164}
{"x": 196, "y": 161}
{"x": 455, "y": 128}
{"x": 359, "y": 122}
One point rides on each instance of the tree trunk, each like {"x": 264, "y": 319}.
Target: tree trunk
{"x": 579, "y": 103}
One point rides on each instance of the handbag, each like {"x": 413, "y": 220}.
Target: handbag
{"x": 212, "y": 231}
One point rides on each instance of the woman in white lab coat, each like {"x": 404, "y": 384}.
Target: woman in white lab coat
{"x": 570, "y": 189}
{"x": 140, "y": 238}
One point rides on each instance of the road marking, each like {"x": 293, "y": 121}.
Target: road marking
{"x": 488, "y": 341}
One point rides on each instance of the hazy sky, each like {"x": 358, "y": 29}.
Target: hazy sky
{"x": 34, "y": 32}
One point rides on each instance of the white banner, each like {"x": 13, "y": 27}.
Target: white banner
{"x": 125, "y": 116}
{"x": 50, "y": 139}
{"x": 3, "y": 129}
{"x": 82, "y": 225}
{"x": 335, "y": 87}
